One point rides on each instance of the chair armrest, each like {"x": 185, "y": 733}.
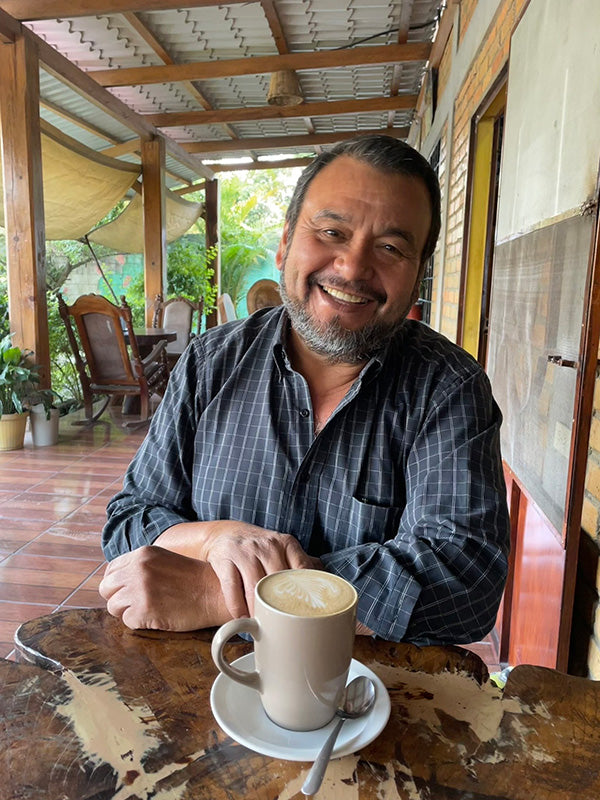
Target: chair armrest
{"x": 156, "y": 354}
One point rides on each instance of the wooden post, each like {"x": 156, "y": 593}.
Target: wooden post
{"x": 23, "y": 200}
{"x": 155, "y": 237}
{"x": 212, "y": 238}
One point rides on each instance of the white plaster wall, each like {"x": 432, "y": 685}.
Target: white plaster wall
{"x": 552, "y": 135}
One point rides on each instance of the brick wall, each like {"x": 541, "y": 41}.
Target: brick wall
{"x": 488, "y": 63}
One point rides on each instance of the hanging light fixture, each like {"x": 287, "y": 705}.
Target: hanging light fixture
{"x": 284, "y": 89}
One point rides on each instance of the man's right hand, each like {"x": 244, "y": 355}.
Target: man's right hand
{"x": 240, "y": 555}
{"x": 155, "y": 588}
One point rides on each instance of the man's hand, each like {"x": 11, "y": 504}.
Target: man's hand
{"x": 241, "y": 554}
{"x": 154, "y": 588}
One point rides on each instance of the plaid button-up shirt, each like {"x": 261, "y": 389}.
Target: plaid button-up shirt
{"x": 401, "y": 493}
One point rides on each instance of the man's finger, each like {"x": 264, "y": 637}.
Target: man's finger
{"x": 232, "y": 587}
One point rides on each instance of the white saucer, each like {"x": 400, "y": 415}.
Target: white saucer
{"x": 239, "y": 712}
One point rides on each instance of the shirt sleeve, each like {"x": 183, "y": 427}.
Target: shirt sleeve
{"x": 440, "y": 579}
{"x": 156, "y": 490}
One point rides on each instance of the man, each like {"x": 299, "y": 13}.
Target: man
{"x": 328, "y": 432}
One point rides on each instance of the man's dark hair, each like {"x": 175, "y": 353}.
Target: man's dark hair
{"x": 384, "y": 153}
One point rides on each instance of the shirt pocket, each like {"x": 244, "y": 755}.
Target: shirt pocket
{"x": 373, "y": 521}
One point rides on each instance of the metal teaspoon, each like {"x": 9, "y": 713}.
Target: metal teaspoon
{"x": 358, "y": 698}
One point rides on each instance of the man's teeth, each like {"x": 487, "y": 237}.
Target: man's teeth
{"x": 347, "y": 298}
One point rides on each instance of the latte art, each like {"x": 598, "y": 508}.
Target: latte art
{"x": 306, "y": 592}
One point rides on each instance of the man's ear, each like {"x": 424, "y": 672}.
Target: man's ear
{"x": 283, "y": 243}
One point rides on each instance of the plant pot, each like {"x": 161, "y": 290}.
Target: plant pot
{"x": 44, "y": 431}
{"x": 12, "y": 430}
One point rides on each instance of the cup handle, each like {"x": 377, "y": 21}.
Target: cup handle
{"x": 220, "y": 639}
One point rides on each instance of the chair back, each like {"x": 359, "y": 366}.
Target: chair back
{"x": 177, "y": 314}
{"x": 225, "y": 308}
{"x": 106, "y": 353}
{"x": 110, "y": 353}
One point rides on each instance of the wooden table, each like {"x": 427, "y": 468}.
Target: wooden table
{"x": 103, "y": 712}
{"x": 147, "y": 338}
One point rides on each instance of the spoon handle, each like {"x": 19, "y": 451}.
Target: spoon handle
{"x": 317, "y": 771}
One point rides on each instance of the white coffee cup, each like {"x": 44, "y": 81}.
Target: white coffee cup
{"x": 303, "y": 629}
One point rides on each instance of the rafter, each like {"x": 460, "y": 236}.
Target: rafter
{"x": 277, "y": 142}
{"x": 151, "y": 40}
{"x": 322, "y": 59}
{"x": 368, "y": 105}
{"x": 55, "y": 9}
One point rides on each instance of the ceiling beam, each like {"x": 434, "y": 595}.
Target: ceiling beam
{"x": 152, "y": 42}
{"x": 322, "y": 59}
{"x": 25, "y": 10}
{"x": 276, "y": 142}
{"x": 178, "y": 118}
{"x": 10, "y": 29}
{"x": 282, "y": 163}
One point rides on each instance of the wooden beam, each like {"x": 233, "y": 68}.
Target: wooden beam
{"x": 10, "y": 29}
{"x": 56, "y": 9}
{"x": 194, "y": 187}
{"x": 335, "y": 107}
{"x": 275, "y": 25}
{"x": 155, "y": 242}
{"x": 81, "y": 123}
{"x": 207, "y": 70}
{"x": 251, "y": 166}
{"x": 270, "y": 142}
{"x": 152, "y": 42}
{"x": 20, "y": 139}
{"x": 442, "y": 35}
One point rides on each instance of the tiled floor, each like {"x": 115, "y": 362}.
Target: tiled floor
{"x": 52, "y": 508}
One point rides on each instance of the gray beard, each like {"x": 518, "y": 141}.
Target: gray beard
{"x": 332, "y": 341}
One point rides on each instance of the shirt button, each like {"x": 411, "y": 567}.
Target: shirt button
{"x": 304, "y": 413}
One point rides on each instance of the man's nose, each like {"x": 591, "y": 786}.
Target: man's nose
{"x": 355, "y": 261}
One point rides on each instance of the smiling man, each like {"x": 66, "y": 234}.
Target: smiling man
{"x": 329, "y": 432}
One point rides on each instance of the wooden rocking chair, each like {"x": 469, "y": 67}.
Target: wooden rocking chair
{"x": 107, "y": 356}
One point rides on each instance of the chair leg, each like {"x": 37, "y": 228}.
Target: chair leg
{"x": 90, "y": 417}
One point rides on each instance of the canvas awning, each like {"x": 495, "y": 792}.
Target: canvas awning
{"x": 126, "y": 232}
{"x": 80, "y": 185}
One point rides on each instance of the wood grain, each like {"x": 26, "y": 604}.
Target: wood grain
{"x": 451, "y": 734}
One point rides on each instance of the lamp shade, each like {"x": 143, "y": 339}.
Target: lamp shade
{"x": 284, "y": 89}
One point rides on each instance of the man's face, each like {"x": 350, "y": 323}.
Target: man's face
{"x": 350, "y": 271}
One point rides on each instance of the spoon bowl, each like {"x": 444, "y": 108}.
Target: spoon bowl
{"x": 358, "y": 699}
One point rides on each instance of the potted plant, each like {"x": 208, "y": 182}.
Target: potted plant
{"x": 17, "y": 378}
{"x": 43, "y": 416}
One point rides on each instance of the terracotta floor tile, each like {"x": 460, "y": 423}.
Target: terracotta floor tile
{"x": 22, "y": 593}
{"x": 63, "y": 547}
{"x": 54, "y": 577}
{"x": 21, "y": 612}
{"x": 84, "y": 598}
{"x": 25, "y": 560}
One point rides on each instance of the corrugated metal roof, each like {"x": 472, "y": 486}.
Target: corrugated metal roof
{"x": 233, "y": 31}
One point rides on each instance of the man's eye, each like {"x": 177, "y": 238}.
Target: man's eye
{"x": 331, "y": 232}
{"x": 390, "y": 248}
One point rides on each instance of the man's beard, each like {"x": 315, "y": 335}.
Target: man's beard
{"x": 331, "y": 340}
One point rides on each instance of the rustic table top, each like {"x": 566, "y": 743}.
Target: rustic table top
{"x": 93, "y": 711}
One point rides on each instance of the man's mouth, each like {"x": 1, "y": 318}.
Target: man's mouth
{"x": 344, "y": 296}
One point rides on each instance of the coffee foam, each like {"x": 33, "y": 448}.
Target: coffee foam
{"x": 306, "y": 592}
